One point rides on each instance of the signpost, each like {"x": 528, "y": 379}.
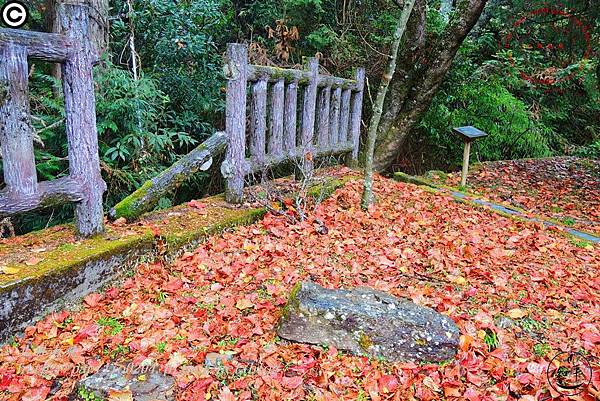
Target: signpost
{"x": 468, "y": 135}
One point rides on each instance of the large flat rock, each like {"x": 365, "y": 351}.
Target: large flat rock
{"x": 368, "y": 322}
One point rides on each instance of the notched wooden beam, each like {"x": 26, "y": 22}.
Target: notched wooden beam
{"x": 40, "y": 45}
{"x": 274, "y": 74}
{"x": 49, "y": 193}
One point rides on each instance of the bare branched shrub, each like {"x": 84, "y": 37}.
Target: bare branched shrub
{"x": 298, "y": 200}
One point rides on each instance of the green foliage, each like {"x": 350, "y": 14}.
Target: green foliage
{"x": 513, "y": 133}
{"x": 591, "y": 151}
{"x": 87, "y": 395}
{"x": 132, "y": 119}
{"x": 491, "y": 339}
{"x": 176, "y": 43}
{"x": 541, "y": 349}
{"x": 112, "y": 325}
{"x": 322, "y": 37}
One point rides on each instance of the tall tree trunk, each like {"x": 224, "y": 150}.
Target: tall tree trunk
{"x": 99, "y": 30}
{"x": 99, "y": 26}
{"x": 407, "y": 8}
{"x": 420, "y": 72}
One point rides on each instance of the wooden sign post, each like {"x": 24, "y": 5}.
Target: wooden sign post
{"x": 468, "y": 135}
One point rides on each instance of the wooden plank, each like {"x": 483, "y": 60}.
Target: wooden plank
{"x": 274, "y": 74}
{"x": 16, "y": 132}
{"x": 233, "y": 168}
{"x": 147, "y": 196}
{"x": 275, "y": 144}
{"x": 334, "y": 119}
{"x": 323, "y": 118}
{"x": 40, "y": 45}
{"x": 335, "y": 82}
{"x": 296, "y": 154}
{"x": 290, "y": 116}
{"x": 308, "y": 119}
{"x": 345, "y": 115}
{"x": 356, "y": 116}
{"x": 258, "y": 123}
{"x": 80, "y": 119}
{"x": 49, "y": 193}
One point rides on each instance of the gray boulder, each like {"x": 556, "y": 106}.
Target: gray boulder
{"x": 368, "y": 322}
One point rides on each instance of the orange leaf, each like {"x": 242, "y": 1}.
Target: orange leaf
{"x": 120, "y": 395}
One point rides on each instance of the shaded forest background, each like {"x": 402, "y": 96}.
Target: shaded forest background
{"x": 532, "y": 81}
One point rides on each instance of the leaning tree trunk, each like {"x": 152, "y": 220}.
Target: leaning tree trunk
{"x": 420, "y": 72}
{"x": 147, "y": 196}
{"x": 368, "y": 198}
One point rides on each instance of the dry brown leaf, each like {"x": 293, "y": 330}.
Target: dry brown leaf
{"x": 120, "y": 395}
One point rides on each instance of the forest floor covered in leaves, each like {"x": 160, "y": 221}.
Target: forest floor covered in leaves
{"x": 519, "y": 292}
{"x": 565, "y": 189}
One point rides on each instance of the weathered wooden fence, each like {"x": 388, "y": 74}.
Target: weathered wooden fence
{"x": 294, "y": 115}
{"x": 84, "y": 185}
{"x": 286, "y": 107}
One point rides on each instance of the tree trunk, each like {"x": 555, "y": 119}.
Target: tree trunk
{"x": 420, "y": 72}
{"x": 368, "y": 198}
{"x": 99, "y": 27}
{"x": 147, "y": 196}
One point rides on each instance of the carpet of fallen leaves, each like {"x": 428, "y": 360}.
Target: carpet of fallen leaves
{"x": 566, "y": 189}
{"x": 226, "y": 297}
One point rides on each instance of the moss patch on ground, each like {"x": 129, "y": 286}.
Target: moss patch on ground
{"x": 50, "y": 251}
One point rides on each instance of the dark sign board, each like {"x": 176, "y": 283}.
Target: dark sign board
{"x": 469, "y": 133}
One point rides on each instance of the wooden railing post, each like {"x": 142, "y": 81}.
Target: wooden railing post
{"x": 334, "y": 123}
{"x": 80, "y": 119}
{"x": 323, "y": 120}
{"x": 16, "y": 132}
{"x": 234, "y": 168}
{"x": 345, "y": 115}
{"x": 290, "y": 117}
{"x": 276, "y": 131}
{"x": 308, "y": 119}
{"x": 356, "y": 116}
{"x": 258, "y": 124}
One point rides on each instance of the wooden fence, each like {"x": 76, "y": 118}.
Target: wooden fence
{"x": 294, "y": 115}
{"x": 286, "y": 107}
{"x": 84, "y": 185}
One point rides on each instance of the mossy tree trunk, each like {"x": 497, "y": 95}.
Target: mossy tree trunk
{"x": 422, "y": 66}
{"x": 368, "y": 197}
{"x": 147, "y": 196}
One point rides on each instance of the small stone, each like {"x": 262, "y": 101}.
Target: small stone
{"x": 505, "y": 323}
{"x": 214, "y": 359}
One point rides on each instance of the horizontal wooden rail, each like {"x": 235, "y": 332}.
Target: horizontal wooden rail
{"x": 296, "y": 154}
{"x": 274, "y": 74}
{"x": 49, "y": 193}
{"x": 41, "y": 45}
